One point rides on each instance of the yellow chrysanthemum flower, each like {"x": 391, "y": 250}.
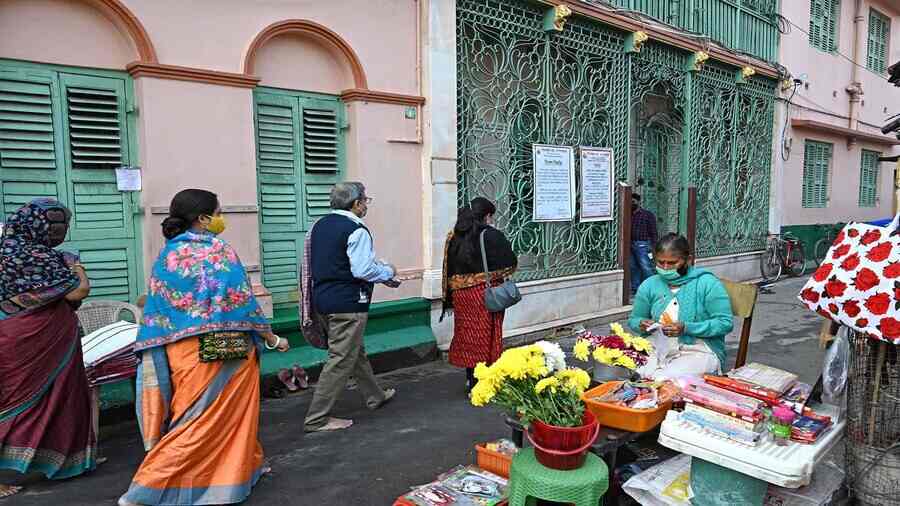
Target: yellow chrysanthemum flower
{"x": 641, "y": 344}
{"x": 617, "y": 329}
{"x": 582, "y": 350}
{"x": 552, "y": 383}
{"x": 576, "y": 380}
{"x": 626, "y": 361}
{"x": 482, "y": 371}
{"x": 482, "y": 393}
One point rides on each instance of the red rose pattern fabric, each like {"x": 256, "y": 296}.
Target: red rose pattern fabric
{"x": 859, "y": 284}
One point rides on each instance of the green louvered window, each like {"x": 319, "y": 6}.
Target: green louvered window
{"x": 816, "y": 168}
{"x": 300, "y": 156}
{"x": 868, "y": 179}
{"x": 823, "y": 23}
{"x": 63, "y": 132}
{"x": 879, "y": 37}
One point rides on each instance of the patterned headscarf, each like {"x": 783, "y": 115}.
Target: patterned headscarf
{"x": 32, "y": 273}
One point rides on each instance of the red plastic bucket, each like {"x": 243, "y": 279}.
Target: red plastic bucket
{"x": 563, "y": 448}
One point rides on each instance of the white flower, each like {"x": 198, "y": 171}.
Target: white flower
{"x": 554, "y": 356}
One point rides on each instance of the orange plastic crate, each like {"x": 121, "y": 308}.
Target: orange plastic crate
{"x": 621, "y": 417}
{"x": 493, "y": 462}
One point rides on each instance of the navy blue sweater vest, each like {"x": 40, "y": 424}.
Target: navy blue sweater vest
{"x": 335, "y": 290}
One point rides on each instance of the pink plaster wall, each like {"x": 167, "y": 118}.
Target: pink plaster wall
{"x": 195, "y": 135}
{"x": 823, "y": 98}
{"x": 843, "y": 185}
{"x": 392, "y": 174}
{"x": 300, "y": 63}
{"x": 202, "y": 135}
{"x": 59, "y": 31}
{"x": 215, "y": 34}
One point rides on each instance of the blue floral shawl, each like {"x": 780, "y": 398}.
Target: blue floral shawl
{"x": 198, "y": 285}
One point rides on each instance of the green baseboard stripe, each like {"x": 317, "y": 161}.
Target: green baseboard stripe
{"x": 392, "y": 326}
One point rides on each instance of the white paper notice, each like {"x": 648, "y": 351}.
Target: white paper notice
{"x": 596, "y": 184}
{"x": 554, "y": 183}
{"x": 128, "y": 179}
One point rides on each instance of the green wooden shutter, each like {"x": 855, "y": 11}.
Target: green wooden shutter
{"x": 323, "y": 153}
{"x": 96, "y": 143}
{"x": 823, "y": 23}
{"x": 868, "y": 178}
{"x": 30, "y": 163}
{"x": 279, "y": 190}
{"x": 816, "y": 168}
{"x": 879, "y": 35}
{"x": 62, "y": 135}
{"x": 300, "y": 156}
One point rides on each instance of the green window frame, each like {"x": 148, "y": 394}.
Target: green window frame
{"x": 868, "y": 178}
{"x": 301, "y": 154}
{"x": 816, "y": 171}
{"x": 879, "y": 37}
{"x": 823, "y": 23}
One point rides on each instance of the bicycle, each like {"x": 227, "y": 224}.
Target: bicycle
{"x": 783, "y": 251}
{"x": 820, "y": 250}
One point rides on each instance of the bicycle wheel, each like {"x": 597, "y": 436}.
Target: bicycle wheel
{"x": 770, "y": 264}
{"x": 820, "y": 250}
{"x": 796, "y": 261}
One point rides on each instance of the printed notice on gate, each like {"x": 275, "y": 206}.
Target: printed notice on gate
{"x": 554, "y": 183}
{"x": 596, "y": 184}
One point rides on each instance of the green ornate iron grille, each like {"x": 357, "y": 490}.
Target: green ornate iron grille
{"x": 731, "y": 150}
{"x": 518, "y": 85}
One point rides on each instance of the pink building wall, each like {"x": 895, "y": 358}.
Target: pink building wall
{"x": 823, "y": 98}
{"x": 200, "y": 134}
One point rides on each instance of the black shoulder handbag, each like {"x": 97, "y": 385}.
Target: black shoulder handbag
{"x": 497, "y": 298}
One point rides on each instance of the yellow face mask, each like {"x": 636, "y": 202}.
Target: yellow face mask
{"x": 216, "y": 224}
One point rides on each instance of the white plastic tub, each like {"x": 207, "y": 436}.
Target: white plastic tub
{"x": 788, "y": 466}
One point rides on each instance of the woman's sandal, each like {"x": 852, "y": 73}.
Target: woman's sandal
{"x": 300, "y": 377}
{"x": 9, "y": 491}
{"x": 287, "y": 379}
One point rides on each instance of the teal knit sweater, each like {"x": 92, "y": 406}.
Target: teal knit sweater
{"x": 703, "y": 306}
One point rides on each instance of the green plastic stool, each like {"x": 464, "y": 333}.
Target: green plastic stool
{"x": 529, "y": 480}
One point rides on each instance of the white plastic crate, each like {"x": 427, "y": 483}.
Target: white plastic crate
{"x": 788, "y": 466}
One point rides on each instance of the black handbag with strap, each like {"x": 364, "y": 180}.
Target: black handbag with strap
{"x": 497, "y": 298}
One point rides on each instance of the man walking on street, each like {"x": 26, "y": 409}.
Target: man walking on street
{"x": 344, "y": 270}
{"x": 643, "y": 238}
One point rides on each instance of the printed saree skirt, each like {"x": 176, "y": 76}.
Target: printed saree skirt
{"x": 209, "y": 452}
{"x": 45, "y": 405}
{"x": 477, "y": 333}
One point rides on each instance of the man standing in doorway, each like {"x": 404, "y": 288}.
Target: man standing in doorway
{"x": 344, "y": 271}
{"x": 643, "y": 238}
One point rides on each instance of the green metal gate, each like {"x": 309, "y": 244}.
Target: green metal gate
{"x": 518, "y": 85}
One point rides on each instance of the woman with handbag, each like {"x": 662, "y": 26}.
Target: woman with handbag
{"x": 474, "y": 253}
{"x": 198, "y": 382}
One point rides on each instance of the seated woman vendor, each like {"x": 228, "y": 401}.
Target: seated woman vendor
{"x": 689, "y": 311}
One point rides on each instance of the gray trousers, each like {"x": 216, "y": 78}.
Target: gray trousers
{"x": 346, "y": 357}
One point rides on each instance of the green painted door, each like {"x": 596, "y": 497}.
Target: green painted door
{"x": 62, "y": 135}
{"x": 300, "y": 156}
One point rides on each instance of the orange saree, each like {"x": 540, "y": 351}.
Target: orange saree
{"x": 209, "y": 453}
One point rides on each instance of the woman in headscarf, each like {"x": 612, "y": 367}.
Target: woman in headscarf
{"x": 198, "y": 382}
{"x": 477, "y": 333}
{"x": 45, "y": 404}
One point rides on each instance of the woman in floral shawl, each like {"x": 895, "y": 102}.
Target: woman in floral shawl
{"x": 45, "y": 405}
{"x": 198, "y": 382}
